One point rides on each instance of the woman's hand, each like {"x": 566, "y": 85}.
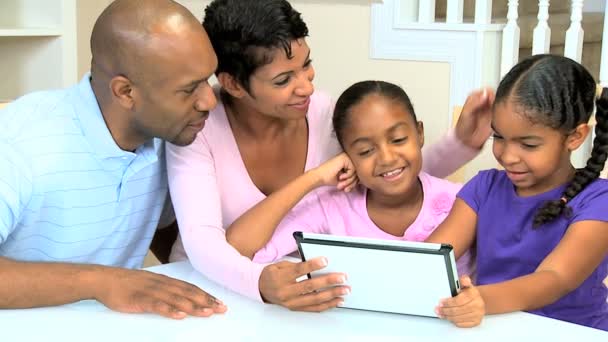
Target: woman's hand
{"x": 473, "y": 126}
{"x": 467, "y": 309}
{"x": 338, "y": 171}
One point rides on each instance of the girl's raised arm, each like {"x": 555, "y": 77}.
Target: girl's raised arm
{"x": 252, "y": 230}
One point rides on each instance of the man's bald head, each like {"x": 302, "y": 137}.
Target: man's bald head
{"x": 125, "y": 35}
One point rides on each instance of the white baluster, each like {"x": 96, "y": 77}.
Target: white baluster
{"x": 541, "y": 42}
{"x": 575, "y": 33}
{"x": 510, "y": 39}
{"x": 604, "y": 56}
{"x": 426, "y": 11}
{"x": 454, "y": 11}
{"x": 483, "y": 11}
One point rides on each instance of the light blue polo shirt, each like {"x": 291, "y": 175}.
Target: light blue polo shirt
{"x": 68, "y": 193}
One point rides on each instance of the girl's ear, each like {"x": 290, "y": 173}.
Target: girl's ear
{"x": 577, "y": 137}
{"x": 420, "y": 130}
{"x": 231, "y": 85}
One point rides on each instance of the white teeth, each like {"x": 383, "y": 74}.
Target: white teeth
{"x": 392, "y": 173}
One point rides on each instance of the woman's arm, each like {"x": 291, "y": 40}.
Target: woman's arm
{"x": 464, "y": 142}
{"x": 252, "y": 230}
{"x": 196, "y": 200}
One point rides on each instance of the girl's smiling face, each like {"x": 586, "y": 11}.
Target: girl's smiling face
{"x": 384, "y": 142}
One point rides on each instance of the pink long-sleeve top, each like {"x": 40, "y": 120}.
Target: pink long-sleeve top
{"x": 331, "y": 211}
{"x": 210, "y": 188}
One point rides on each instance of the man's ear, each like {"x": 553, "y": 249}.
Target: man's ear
{"x": 420, "y": 130}
{"x": 122, "y": 90}
{"x": 577, "y": 137}
{"x": 231, "y": 85}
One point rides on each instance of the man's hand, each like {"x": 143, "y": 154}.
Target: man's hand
{"x": 467, "y": 309}
{"x": 136, "y": 291}
{"x": 278, "y": 286}
{"x": 473, "y": 126}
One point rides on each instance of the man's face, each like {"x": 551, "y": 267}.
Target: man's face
{"x": 174, "y": 100}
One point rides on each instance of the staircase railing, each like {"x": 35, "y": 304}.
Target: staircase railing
{"x": 511, "y": 33}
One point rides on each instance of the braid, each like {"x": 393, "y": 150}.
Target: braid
{"x": 583, "y": 177}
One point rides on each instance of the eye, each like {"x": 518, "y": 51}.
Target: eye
{"x": 308, "y": 64}
{"x": 283, "y": 81}
{"x": 529, "y": 146}
{"x": 365, "y": 153}
{"x": 496, "y": 136}
{"x": 189, "y": 91}
{"x": 399, "y": 140}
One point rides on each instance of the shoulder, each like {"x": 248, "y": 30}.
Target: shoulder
{"x": 596, "y": 191}
{"x": 321, "y": 108}
{"x": 33, "y": 110}
{"x": 433, "y": 184}
{"x": 440, "y": 194}
{"x": 490, "y": 178}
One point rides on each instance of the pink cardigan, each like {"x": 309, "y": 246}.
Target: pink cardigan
{"x": 210, "y": 188}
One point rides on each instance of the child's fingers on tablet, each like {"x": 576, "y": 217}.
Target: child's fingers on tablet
{"x": 456, "y": 311}
{"x": 463, "y": 298}
{"x": 467, "y": 324}
{"x": 466, "y": 318}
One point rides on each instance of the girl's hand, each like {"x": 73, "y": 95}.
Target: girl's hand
{"x": 467, "y": 309}
{"x": 338, "y": 171}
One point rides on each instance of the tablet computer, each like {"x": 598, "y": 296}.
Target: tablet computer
{"x": 386, "y": 275}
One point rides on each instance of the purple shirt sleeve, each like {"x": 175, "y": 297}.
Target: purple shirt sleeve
{"x": 593, "y": 206}
{"x": 475, "y": 191}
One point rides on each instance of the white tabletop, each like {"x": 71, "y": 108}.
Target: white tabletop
{"x": 247, "y": 320}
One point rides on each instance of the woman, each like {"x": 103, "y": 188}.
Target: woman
{"x": 269, "y": 127}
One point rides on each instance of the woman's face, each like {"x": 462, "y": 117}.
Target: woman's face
{"x": 282, "y": 88}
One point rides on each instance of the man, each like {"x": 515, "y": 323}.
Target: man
{"x": 82, "y": 177}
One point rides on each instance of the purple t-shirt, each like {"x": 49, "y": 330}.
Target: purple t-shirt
{"x": 508, "y": 247}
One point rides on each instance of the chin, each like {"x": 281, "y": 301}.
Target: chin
{"x": 183, "y": 141}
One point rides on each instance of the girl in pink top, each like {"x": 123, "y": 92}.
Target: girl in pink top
{"x": 269, "y": 127}
{"x": 376, "y": 125}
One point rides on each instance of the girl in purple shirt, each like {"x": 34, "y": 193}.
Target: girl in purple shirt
{"x": 540, "y": 225}
{"x": 376, "y": 126}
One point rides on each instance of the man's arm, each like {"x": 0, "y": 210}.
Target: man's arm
{"x": 35, "y": 284}
{"x": 28, "y": 285}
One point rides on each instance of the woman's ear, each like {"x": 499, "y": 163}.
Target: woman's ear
{"x": 420, "y": 131}
{"x": 577, "y": 137}
{"x": 231, "y": 85}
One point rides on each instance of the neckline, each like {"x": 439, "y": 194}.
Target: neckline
{"x": 422, "y": 177}
{"x": 237, "y": 152}
{"x": 551, "y": 194}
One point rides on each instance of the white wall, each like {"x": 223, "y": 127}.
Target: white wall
{"x": 340, "y": 53}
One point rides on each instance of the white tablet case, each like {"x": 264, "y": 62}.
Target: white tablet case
{"x": 385, "y": 275}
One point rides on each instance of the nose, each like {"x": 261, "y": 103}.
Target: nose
{"x": 305, "y": 87}
{"x": 386, "y": 155}
{"x": 506, "y": 153}
{"x": 205, "y": 100}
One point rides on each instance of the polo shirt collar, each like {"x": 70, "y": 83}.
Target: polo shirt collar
{"x": 96, "y": 131}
